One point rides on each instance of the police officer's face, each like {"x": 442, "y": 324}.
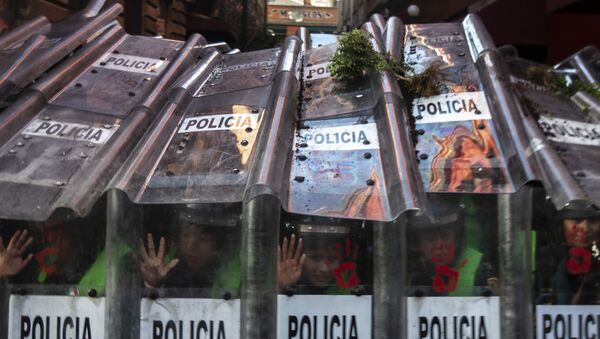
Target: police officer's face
{"x": 197, "y": 248}
{"x": 581, "y": 232}
{"x": 437, "y": 245}
{"x": 319, "y": 265}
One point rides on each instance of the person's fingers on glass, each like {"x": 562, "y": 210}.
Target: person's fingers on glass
{"x": 11, "y": 257}
{"x": 289, "y": 263}
{"x": 154, "y": 266}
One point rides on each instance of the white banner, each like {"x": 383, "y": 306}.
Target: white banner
{"x": 453, "y": 317}
{"x": 55, "y": 317}
{"x": 177, "y": 318}
{"x": 566, "y": 321}
{"x": 318, "y": 71}
{"x": 218, "y": 122}
{"x": 570, "y": 132}
{"x": 451, "y": 107}
{"x": 339, "y": 138}
{"x": 323, "y": 317}
{"x": 131, "y": 63}
{"x": 71, "y": 131}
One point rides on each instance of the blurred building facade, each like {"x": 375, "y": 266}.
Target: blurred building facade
{"x": 542, "y": 30}
{"x": 238, "y": 22}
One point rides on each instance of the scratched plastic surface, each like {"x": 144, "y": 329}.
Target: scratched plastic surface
{"x": 242, "y": 71}
{"x": 114, "y": 91}
{"x": 208, "y": 156}
{"x": 442, "y": 43}
{"x": 323, "y": 96}
{"x": 337, "y": 170}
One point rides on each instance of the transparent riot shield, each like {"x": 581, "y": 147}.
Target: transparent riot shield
{"x": 325, "y": 278}
{"x": 353, "y": 182}
{"x": 565, "y": 219}
{"x": 564, "y": 137}
{"x": 567, "y": 279}
{"x": 61, "y": 143}
{"x": 468, "y": 267}
{"x": 210, "y": 167}
{"x": 177, "y": 270}
{"x": 29, "y": 52}
{"x": 582, "y": 66}
{"x": 463, "y": 266}
{"x": 54, "y": 276}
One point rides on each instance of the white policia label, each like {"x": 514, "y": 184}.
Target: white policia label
{"x": 304, "y": 317}
{"x": 454, "y": 317}
{"x": 218, "y": 122}
{"x": 340, "y": 138}
{"x": 581, "y": 322}
{"x": 131, "y": 63}
{"x": 570, "y": 132}
{"x": 450, "y": 107}
{"x": 190, "y": 319}
{"x": 70, "y": 131}
{"x": 56, "y": 317}
{"x": 316, "y": 72}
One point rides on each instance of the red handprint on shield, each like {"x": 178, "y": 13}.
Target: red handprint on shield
{"x": 580, "y": 258}
{"x": 345, "y": 274}
{"x": 446, "y": 278}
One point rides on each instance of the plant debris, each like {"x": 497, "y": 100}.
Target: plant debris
{"x": 558, "y": 83}
{"x": 356, "y": 58}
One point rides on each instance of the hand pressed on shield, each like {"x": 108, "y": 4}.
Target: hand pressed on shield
{"x": 289, "y": 263}
{"x": 11, "y": 257}
{"x": 154, "y": 267}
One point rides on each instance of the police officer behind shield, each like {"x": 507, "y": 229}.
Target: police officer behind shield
{"x": 441, "y": 261}
{"x": 323, "y": 261}
{"x": 576, "y": 280}
{"x": 199, "y": 259}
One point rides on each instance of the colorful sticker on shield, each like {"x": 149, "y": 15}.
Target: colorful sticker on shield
{"x": 457, "y": 148}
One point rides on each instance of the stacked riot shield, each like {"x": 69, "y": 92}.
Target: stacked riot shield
{"x": 353, "y": 184}
{"x": 30, "y": 50}
{"x": 62, "y": 141}
{"x": 202, "y": 190}
{"x": 152, "y": 188}
{"x": 585, "y": 65}
{"x": 468, "y": 269}
{"x": 565, "y": 141}
{"x": 582, "y": 70}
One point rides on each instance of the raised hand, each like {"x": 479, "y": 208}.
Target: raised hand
{"x": 154, "y": 267}
{"x": 289, "y": 263}
{"x": 11, "y": 257}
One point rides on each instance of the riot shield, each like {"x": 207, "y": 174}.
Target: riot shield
{"x": 566, "y": 274}
{"x": 38, "y": 46}
{"x": 582, "y": 70}
{"x": 353, "y": 183}
{"x": 584, "y": 65}
{"x": 564, "y": 138}
{"x": 468, "y": 267}
{"x": 61, "y": 143}
{"x": 566, "y": 215}
{"x": 209, "y": 171}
